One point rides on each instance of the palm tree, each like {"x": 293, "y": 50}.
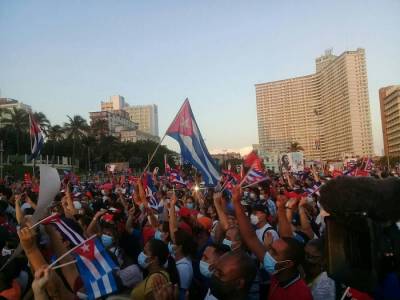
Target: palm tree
{"x": 99, "y": 128}
{"x": 17, "y": 119}
{"x": 75, "y": 129}
{"x": 55, "y": 134}
{"x": 42, "y": 121}
{"x": 295, "y": 146}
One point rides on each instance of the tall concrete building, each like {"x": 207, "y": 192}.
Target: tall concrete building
{"x": 389, "y": 98}
{"x": 146, "y": 116}
{"x": 115, "y": 102}
{"x": 327, "y": 112}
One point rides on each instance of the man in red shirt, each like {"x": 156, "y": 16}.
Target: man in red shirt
{"x": 280, "y": 258}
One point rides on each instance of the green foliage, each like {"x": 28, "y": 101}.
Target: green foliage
{"x": 90, "y": 145}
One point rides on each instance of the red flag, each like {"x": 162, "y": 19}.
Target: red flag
{"x": 86, "y": 250}
{"x": 253, "y": 161}
{"x": 250, "y": 159}
{"x": 336, "y": 173}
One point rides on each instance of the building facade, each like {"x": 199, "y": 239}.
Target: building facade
{"x": 389, "y": 98}
{"x": 146, "y": 116}
{"x": 8, "y": 103}
{"x": 117, "y": 121}
{"x": 115, "y": 102}
{"x": 327, "y": 112}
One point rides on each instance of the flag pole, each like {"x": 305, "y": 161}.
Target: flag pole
{"x": 30, "y": 138}
{"x": 162, "y": 139}
{"x": 71, "y": 250}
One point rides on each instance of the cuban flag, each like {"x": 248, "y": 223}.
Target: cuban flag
{"x": 94, "y": 263}
{"x": 36, "y": 137}
{"x": 150, "y": 190}
{"x": 254, "y": 176}
{"x": 174, "y": 177}
{"x": 185, "y": 131}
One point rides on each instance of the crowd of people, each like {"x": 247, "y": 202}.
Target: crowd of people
{"x": 263, "y": 241}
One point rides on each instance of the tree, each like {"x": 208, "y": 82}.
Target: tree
{"x": 295, "y": 146}
{"x": 55, "y": 134}
{"x": 42, "y": 121}
{"x": 99, "y": 128}
{"x": 76, "y": 128}
{"x": 17, "y": 119}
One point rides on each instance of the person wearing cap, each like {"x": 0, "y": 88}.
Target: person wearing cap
{"x": 259, "y": 218}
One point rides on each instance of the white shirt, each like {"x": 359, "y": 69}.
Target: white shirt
{"x": 260, "y": 233}
{"x": 209, "y": 296}
{"x": 185, "y": 270}
{"x": 130, "y": 276}
{"x": 323, "y": 288}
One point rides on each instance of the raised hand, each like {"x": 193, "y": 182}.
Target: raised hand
{"x": 27, "y": 238}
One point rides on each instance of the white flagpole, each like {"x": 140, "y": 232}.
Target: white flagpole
{"x": 63, "y": 265}
{"x": 41, "y": 221}
{"x": 71, "y": 250}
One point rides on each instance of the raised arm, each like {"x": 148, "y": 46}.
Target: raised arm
{"x": 246, "y": 230}
{"x": 173, "y": 224}
{"x": 284, "y": 226}
{"x": 18, "y": 211}
{"x": 305, "y": 223}
{"x": 223, "y": 219}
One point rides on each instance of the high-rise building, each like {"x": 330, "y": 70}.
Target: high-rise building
{"x": 8, "y": 103}
{"x": 115, "y": 102}
{"x": 146, "y": 116}
{"x": 327, "y": 112}
{"x": 389, "y": 98}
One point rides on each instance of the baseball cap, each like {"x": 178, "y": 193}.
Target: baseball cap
{"x": 261, "y": 208}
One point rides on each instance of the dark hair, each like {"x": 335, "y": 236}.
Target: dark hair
{"x": 294, "y": 250}
{"x": 317, "y": 244}
{"x": 160, "y": 250}
{"x": 220, "y": 249}
{"x": 247, "y": 267}
{"x": 182, "y": 238}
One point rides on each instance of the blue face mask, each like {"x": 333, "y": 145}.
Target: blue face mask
{"x": 190, "y": 205}
{"x": 157, "y": 235}
{"x": 205, "y": 269}
{"x": 107, "y": 240}
{"x": 227, "y": 243}
{"x": 142, "y": 260}
{"x": 269, "y": 263}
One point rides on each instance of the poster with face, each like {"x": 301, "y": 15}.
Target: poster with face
{"x": 296, "y": 161}
{"x": 284, "y": 163}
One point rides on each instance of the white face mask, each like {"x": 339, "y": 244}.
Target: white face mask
{"x": 6, "y": 252}
{"x": 254, "y": 219}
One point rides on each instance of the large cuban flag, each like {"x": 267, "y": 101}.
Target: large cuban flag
{"x": 184, "y": 129}
{"x": 37, "y": 138}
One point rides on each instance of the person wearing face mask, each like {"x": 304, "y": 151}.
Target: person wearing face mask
{"x": 153, "y": 258}
{"x": 232, "y": 276}
{"x": 190, "y": 203}
{"x": 280, "y": 258}
{"x": 182, "y": 250}
{"x": 232, "y": 238}
{"x": 259, "y": 218}
{"x": 322, "y": 287}
{"x": 266, "y": 200}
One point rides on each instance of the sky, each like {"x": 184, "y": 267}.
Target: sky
{"x": 64, "y": 57}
